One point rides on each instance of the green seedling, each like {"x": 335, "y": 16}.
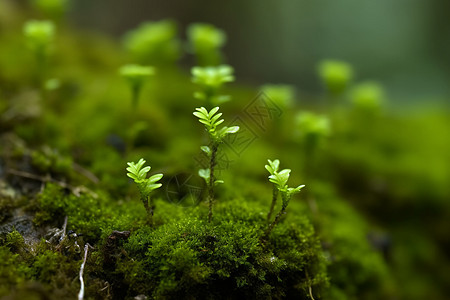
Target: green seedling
{"x": 205, "y": 41}
{"x": 39, "y": 36}
{"x": 335, "y": 75}
{"x": 154, "y": 43}
{"x": 282, "y": 95}
{"x": 272, "y": 167}
{"x": 367, "y": 97}
{"x": 279, "y": 180}
{"x": 211, "y": 120}
{"x": 136, "y": 76}
{"x": 210, "y": 80}
{"x": 145, "y": 185}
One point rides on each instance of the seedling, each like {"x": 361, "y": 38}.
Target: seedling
{"x": 272, "y": 167}
{"x": 211, "y": 120}
{"x": 279, "y": 179}
{"x": 313, "y": 129}
{"x": 39, "y": 37}
{"x": 205, "y": 41}
{"x": 282, "y": 94}
{"x": 210, "y": 80}
{"x": 154, "y": 43}
{"x": 367, "y": 97}
{"x": 135, "y": 76}
{"x": 336, "y": 76}
{"x": 144, "y": 184}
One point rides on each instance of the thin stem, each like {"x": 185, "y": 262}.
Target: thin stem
{"x": 135, "y": 92}
{"x": 212, "y": 179}
{"x": 275, "y": 222}
{"x": 274, "y": 200}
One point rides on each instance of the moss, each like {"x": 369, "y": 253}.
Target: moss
{"x": 223, "y": 259}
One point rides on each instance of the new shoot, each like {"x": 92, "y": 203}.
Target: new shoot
{"x": 145, "y": 185}
{"x": 279, "y": 179}
{"x": 136, "y": 76}
{"x": 211, "y": 120}
{"x": 210, "y": 80}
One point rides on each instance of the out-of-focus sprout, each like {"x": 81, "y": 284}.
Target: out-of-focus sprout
{"x": 39, "y": 36}
{"x": 54, "y": 9}
{"x": 205, "y": 40}
{"x": 210, "y": 80}
{"x": 335, "y": 75}
{"x": 135, "y": 75}
{"x": 313, "y": 130}
{"x": 154, "y": 43}
{"x": 368, "y": 97}
{"x": 282, "y": 95}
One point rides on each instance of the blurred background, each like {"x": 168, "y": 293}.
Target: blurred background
{"x": 404, "y": 44}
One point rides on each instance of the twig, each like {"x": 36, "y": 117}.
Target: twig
{"x": 81, "y": 292}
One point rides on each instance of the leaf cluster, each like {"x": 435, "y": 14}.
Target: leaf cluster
{"x": 139, "y": 175}
{"x": 211, "y": 120}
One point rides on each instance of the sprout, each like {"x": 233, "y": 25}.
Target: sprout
{"x": 136, "y": 75}
{"x": 211, "y": 79}
{"x": 39, "y": 36}
{"x": 336, "y": 75}
{"x": 313, "y": 125}
{"x": 144, "y": 184}
{"x": 279, "y": 180}
{"x": 154, "y": 43}
{"x": 212, "y": 120}
{"x": 368, "y": 96}
{"x": 205, "y": 41}
{"x": 282, "y": 94}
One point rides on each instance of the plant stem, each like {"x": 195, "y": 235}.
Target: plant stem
{"x": 212, "y": 164}
{"x": 275, "y": 222}
{"x": 274, "y": 200}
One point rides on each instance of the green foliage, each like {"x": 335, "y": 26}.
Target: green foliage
{"x": 135, "y": 75}
{"x": 39, "y": 36}
{"x": 205, "y": 41}
{"x": 282, "y": 95}
{"x": 279, "y": 179}
{"x": 313, "y": 129}
{"x": 144, "y": 184}
{"x": 368, "y": 96}
{"x": 211, "y": 120}
{"x": 154, "y": 43}
{"x": 335, "y": 75}
{"x": 210, "y": 80}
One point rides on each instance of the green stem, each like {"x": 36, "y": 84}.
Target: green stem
{"x": 274, "y": 200}
{"x": 212, "y": 179}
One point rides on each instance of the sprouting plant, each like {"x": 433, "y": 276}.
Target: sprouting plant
{"x": 39, "y": 37}
{"x": 336, "y": 76}
{"x": 313, "y": 130}
{"x": 211, "y": 120}
{"x": 144, "y": 184}
{"x": 205, "y": 40}
{"x": 279, "y": 179}
{"x": 272, "y": 167}
{"x": 210, "y": 80}
{"x": 368, "y": 97}
{"x": 282, "y": 94}
{"x": 135, "y": 76}
{"x": 154, "y": 43}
